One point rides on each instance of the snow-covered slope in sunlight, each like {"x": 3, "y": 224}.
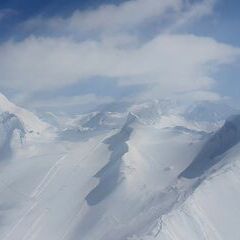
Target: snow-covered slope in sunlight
{"x": 134, "y": 186}
{"x": 119, "y": 175}
{"x": 208, "y": 193}
{"x": 224, "y": 139}
{"x": 30, "y": 121}
{"x": 42, "y": 193}
{"x": 211, "y": 212}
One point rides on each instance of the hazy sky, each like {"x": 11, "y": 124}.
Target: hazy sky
{"x": 73, "y": 54}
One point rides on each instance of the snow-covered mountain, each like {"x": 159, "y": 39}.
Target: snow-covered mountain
{"x": 16, "y": 126}
{"x": 145, "y": 171}
{"x": 30, "y": 121}
{"x": 208, "y": 205}
{"x": 9, "y": 124}
{"x": 223, "y": 140}
{"x": 210, "y": 212}
{"x": 209, "y": 111}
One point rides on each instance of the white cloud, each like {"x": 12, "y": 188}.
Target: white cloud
{"x": 109, "y": 17}
{"x": 194, "y": 12}
{"x": 195, "y": 96}
{"x": 129, "y": 15}
{"x": 169, "y": 62}
{"x": 172, "y": 62}
{"x": 71, "y": 102}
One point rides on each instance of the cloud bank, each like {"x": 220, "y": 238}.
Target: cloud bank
{"x": 179, "y": 62}
{"x": 112, "y": 42}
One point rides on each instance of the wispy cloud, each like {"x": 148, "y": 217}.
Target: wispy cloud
{"x": 128, "y": 16}
{"x": 192, "y": 14}
{"x": 109, "y": 17}
{"x": 74, "y": 104}
{"x": 174, "y": 62}
{"x": 110, "y": 46}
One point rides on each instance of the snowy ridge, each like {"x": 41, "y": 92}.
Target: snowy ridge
{"x": 9, "y": 123}
{"x": 203, "y": 215}
{"x": 206, "y": 202}
{"x": 122, "y": 175}
{"x": 109, "y": 175}
{"x": 30, "y": 121}
{"x": 224, "y": 139}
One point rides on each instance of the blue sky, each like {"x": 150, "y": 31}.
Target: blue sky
{"x": 223, "y": 24}
{"x": 79, "y": 53}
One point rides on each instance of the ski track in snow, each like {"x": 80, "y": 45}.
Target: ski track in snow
{"x": 48, "y": 178}
{"x": 42, "y": 187}
{"x": 20, "y": 221}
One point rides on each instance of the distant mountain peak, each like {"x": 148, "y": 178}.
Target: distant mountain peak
{"x": 209, "y": 111}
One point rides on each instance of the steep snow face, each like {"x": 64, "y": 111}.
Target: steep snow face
{"x": 92, "y": 124}
{"x": 8, "y": 124}
{"x": 30, "y": 121}
{"x": 135, "y": 185}
{"x": 104, "y": 120}
{"x": 110, "y": 175}
{"x": 211, "y": 212}
{"x": 224, "y": 139}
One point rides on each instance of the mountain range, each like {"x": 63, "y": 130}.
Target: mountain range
{"x": 152, "y": 170}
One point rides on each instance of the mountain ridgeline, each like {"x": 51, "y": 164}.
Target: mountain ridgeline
{"x": 223, "y": 140}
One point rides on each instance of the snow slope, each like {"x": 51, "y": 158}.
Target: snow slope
{"x": 90, "y": 189}
{"x": 208, "y": 205}
{"x": 120, "y": 176}
{"x": 211, "y": 212}
{"x": 135, "y": 184}
{"x": 30, "y": 121}
{"x": 42, "y": 192}
{"x": 223, "y": 140}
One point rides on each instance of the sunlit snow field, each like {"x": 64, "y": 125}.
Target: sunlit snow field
{"x": 116, "y": 176}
